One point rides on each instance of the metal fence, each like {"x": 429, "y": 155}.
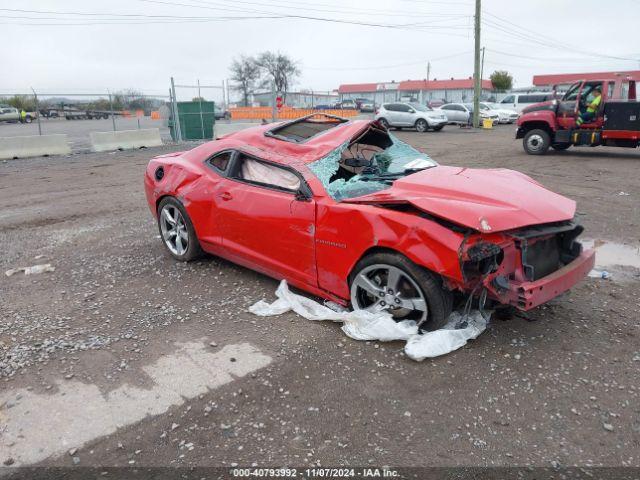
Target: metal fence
{"x": 44, "y": 107}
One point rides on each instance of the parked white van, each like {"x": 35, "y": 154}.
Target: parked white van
{"x": 519, "y": 101}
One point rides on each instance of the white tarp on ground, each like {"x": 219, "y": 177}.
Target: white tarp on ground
{"x": 35, "y": 269}
{"x": 363, "y": 325}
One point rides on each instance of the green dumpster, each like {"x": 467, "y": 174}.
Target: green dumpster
{"x": 196, "y": 121}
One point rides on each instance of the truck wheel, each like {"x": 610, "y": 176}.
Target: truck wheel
{"x": 536, "y": 142}
{"x": 560, "y": 146}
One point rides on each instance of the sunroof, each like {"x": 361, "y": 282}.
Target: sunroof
{"x": 306, "y": 127}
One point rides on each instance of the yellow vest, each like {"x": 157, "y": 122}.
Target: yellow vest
{"x": 595, "y": 103}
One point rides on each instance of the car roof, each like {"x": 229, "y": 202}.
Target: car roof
{"x": 259, "y": 142}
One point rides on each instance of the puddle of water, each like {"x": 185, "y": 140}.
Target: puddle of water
{"x": 36, "y": 426}
{"x": 609, "y": 253}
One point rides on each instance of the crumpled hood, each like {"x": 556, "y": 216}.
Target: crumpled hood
{"x": 487, "y": 200}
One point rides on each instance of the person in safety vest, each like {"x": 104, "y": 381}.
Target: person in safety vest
{"x": 23, "y": 116}
{"x": 592, "y": 107}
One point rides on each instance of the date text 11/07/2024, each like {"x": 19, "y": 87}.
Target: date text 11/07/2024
{"x": 314, "y": 473}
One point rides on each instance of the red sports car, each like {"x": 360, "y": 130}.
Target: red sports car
{"x": 348, "y": 212}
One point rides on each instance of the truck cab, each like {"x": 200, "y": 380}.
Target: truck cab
{"x": 553, "y": 123}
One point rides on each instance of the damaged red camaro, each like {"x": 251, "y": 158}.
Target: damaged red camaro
{"x": 348, "y": 212}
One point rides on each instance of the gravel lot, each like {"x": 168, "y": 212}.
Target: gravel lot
{"x": 89, "y": 345}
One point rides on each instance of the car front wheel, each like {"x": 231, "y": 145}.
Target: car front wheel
{"x": 176, "y": 230}
{"x": 422, "y": 125}
{"x": 536, "y": 142}
{"x": 392, "y": 282}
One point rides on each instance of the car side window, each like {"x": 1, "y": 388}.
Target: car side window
{"x": 265, "y": 174}
{"x": 403, "y": 108}
{"x": 392, "y": 107}
{"x": 221, "y": 160}
{"x": 508, "y": 99}
{"x": 459, "y": 108}
{"x": 445, "y": 107}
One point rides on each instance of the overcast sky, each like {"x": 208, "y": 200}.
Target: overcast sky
{"x": 91, "y": 45}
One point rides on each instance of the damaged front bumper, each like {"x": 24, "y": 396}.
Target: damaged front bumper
{"x": 526, "y": 295}
{"x": 527, "y": 267}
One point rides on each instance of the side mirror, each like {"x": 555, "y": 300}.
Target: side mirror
{"x": 302, "y": 196}
{"x": 411, "y": 110}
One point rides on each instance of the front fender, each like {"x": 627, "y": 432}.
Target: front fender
{"x": 543, "y": 119}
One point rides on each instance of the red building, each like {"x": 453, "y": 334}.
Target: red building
{"x": 451, "y": 90}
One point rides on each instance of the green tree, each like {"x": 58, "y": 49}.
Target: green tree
{"x": 501, "y": 80}
{"x": 245, "y": 72}
{"x": 21, "y": 102}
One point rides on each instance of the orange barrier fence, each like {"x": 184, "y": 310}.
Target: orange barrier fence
{"x": 155, "y": 115}
{"x": 258, "y": 113}
{"x": 135, "y": 113}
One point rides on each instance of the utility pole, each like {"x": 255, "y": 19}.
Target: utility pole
{"x": 428, "y": 70}
{"x": 477, "y": 80}
{"x": 482, "y": 68}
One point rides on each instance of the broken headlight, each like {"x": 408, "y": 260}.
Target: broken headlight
{"x": 482, "y": 258}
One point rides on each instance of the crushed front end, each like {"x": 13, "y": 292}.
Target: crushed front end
{"x": 526, "y": 267}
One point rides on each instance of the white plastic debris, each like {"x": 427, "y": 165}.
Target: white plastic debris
{"x": 599, "y": 274}
{"x": 358, "y": 324}
{"x": 364, "y": 325}
{"x": 449, "y": 338}
{"x": 35, "y": 269}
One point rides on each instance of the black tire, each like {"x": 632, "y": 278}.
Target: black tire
{"x": 439, "y": 300}
{"x": 384, "y": 123}
{"x": 536, "y": 142}
{"x": 560, "y": 146}
{"x": 193, "y": 249}
{"x": 422, "y": 125}
{"x": 438, "y": 128}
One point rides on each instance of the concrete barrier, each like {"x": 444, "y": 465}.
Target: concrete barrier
{"x": 125, "y": 139}
{"x": 33, "y": 146}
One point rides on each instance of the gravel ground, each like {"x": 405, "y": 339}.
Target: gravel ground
{"x": 558, "y": 386}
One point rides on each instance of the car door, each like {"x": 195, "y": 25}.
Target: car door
{"x": 449, "y": 112}
{"x": 393, "y": 113}
{"x": 405, "y": 115}
{"x": 509, "y": 101}
{"x": 267, "y": 217}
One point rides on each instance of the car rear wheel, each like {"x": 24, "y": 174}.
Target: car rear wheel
{"x": 536, "y": 142}
{"x": 422, "y": 125}
{"x": 176, "y": 230}
{"x": 383, "y": 122}
{"x": 392, "y": 282}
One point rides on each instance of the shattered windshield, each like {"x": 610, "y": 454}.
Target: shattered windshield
{"x": 368, "y": 164}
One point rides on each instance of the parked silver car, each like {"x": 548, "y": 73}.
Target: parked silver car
{"x": 462, "y": 113}
{"x": 420, "y": 117}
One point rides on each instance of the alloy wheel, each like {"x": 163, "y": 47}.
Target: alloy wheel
{"x": 385, "y": 287}
{"x": 174, "y": 229}
{"x": 421, "y": 126}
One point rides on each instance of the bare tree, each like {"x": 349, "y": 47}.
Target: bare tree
{"x": 245, "y": 72}
{"x": 280, "y": 69}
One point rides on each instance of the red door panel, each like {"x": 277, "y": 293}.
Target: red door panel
{"x": 268, "y": 228}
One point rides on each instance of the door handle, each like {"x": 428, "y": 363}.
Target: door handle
{"x": 226, "y": 196}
